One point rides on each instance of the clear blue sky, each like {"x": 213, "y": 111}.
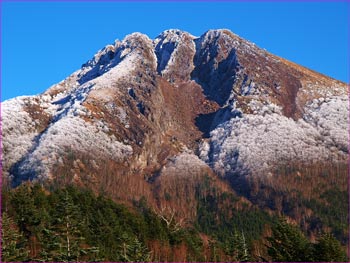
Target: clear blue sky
{"x": 42, "y": 43}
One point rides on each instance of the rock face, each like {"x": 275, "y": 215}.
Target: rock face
{"x": 177, "y": 104}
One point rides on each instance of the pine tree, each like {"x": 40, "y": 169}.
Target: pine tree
{"x": 13, "y": 245}
{"x": 62, "y": 239}
{"x": 329, "y": 249}
{"x": 26, "y": 214}
{"x": 237, "y": 247}
{"x": 288, "y": 244}
{"x": 133, "y": 250}
{"x": 214, "y": 256}
{"x": 243, "y": 254}
{"x": 50, "y": 245}
{"x": 139, "y": 251}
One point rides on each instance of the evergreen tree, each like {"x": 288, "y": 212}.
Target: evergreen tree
{"x": 13, "y": 245}
{"x": 26, "y": 214}
{"x": 236, "y": 247}
{"x": 139, "y": 251}
{"x": 243, "y": 255}
{"x": 62, "y": 239}
{"x": 329, "y": 249}
{"x": 288, "y": 244}
{"x": 132, "y": 250}
{"x": 50, "y": 245}
{"x": 214, "y": 256}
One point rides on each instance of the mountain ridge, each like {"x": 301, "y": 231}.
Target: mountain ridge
{"x": 230, "y": 71}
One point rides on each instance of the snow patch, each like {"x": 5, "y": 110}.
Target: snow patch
{"x": 255, "y": 143}
{"x": 172, "y": 48}
{"x": 184, "y": 164}
{"x": 330, "y": 116}
{"x": 18, "y": 130}
{"x": 72, "y": 134}
{"x": 123, "y": 69}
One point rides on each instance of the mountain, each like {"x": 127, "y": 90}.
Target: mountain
{"x": 156, "y": 118}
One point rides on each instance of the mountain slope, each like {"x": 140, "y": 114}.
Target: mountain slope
{"x": 155, "y": 118}
{"x": 139, "y": 98}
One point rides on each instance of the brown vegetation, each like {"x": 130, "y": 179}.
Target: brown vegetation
{"x": 37, "y": 113}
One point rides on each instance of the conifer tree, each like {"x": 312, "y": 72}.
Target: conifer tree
{"x": 13, "y": 245}
{"x": 214, "y": 256}
{"x": 237, "y": 247}
{"x": 329, "y": 249}
{"x": 288, "y": 244}
{"x": 133, "y": 250}
{"x": 62, "y": 239}
{"x": 26, "y": 215}
{"x": 243, "y": 255}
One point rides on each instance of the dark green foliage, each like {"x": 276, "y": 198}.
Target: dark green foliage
{"x": 72, "y": 224}
{"x": 329, "y": 249}
{"x": 333, "y": 214}
{"x": 13, "y": 244}
{"x": 288, "y": 243}
{"x": 194, "y": 244}
{"x": 214, "y": 218}
{"x": 26, "y": 214}
{"x": 62, "y": 239}
{"x": 218, "y": 217}
{"x": 132, "y": 250}
{"x": 233, "y": 229}
{"x": 314, "y": 195}
{"x": 236, "y": 247}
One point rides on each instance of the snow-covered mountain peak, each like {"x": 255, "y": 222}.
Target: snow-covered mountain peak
{"x": 175, "y": 50}
{"x": 139, "y": 102}
{"x": 215, "y": 33}
{"x": 136, "y": 40}
{"x": 172, "y": 35}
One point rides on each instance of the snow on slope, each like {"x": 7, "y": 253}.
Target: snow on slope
{"x": 36, "y": 152}
{"x": 244, "y": 141}
{"x": 184, "y": 164}
{"x": 255, "y": 143}
{"x": 18, "y": 131}
{"x": 72, "y": 133}
{"x": 331, "y": 118}
{"x": 175, "y": 50}
{"x": 105, "y": 87}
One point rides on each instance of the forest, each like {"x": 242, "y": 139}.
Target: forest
{"x": 71, "y": 223}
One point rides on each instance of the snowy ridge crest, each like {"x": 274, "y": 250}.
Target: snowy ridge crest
{"x": 130, "y": 99}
